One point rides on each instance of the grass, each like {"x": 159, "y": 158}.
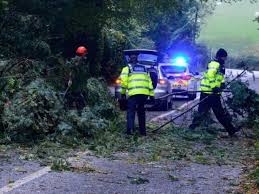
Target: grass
{"x": 60, "y": 165}
{"x": 201, "y": 159}
{"x": 232, "y": 27}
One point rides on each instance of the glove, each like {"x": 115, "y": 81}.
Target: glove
{"x": 123, "y": 102}
{"x": 123, "y": 96}
{"x": 152, "y": 99}
{"x": 216, "y": 90}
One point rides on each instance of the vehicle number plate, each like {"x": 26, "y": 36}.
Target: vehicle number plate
{"x": 176, "y": 85}
{"x": 179, "y": 84}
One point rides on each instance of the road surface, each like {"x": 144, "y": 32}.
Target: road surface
{"x": 117, "y": 176}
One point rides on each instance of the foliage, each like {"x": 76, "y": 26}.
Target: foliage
{"x": 87, "y": 123}
{"x": 174, "y": 144}
{"x": 179, "y": 24}
{"x": 244, "y": 102}
{"x": 49, "y": 31}
{"x": 37, "y": 29}
{"x": 23, "y": 36}
{"x": 37, "y": 110}
{"x": 34, "y": 111}
{"x": 115, "y": 41}
{"x": 97, "y": 92}
{"x": 60, "y": 165}
{"x": 16, "y": 73}
{"x": 105, "y": 110}
{"x": 3, "y": 6}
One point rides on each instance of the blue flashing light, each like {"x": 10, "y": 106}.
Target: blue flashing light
{"x": 180, "y": 61}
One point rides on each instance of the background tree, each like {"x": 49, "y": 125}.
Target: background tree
{"x": 38, "y": 29}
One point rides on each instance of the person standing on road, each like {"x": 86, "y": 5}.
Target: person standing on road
{"x": 136, "y": 80}
{"x": 76, "y": 81}
{"x": 212, "y": 84}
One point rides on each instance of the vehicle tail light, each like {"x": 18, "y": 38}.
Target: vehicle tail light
{"x": 186, "y": 77}
{"x": 118, "y": 81}
{"x": 161, "y": 81}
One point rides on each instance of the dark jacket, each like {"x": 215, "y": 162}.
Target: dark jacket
{"x": 153, "y": 75}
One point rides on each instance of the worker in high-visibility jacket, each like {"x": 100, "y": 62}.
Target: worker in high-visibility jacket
{"x": 135, "y": 79}
{"x": 212, "y": 84}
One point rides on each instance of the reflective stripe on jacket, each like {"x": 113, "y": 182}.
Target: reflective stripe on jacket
{"x": 212, "y": 78}
{"x": 136, "y": 80}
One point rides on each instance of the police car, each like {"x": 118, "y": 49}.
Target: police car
{"x": 149, "y": 58}
{"x": 183, "y": 83}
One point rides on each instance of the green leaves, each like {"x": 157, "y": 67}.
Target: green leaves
{"x": 34, "y": 111}
{"x": 3, "y": 6}
{"x": 244, "y": 102}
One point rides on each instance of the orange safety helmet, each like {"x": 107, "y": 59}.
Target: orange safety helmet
{"x": 81, "y": 51}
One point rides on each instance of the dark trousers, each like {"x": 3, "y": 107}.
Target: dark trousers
{"x": 212, "y": 101}
{"x": 136, "y": 103}
{"x": 76, "y": 100}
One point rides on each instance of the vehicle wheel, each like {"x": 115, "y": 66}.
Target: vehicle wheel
{"x": 192, "y": 96}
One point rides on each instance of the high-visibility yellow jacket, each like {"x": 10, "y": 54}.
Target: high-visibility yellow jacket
{"x": 212, "y": 78}
{"x": 136, "y": 79}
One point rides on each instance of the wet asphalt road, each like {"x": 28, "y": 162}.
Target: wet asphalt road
{"x": 14, "y": 169}
{"x": 177, "y": 103}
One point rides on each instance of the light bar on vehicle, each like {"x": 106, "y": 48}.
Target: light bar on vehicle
{"x": 180, "y": 61}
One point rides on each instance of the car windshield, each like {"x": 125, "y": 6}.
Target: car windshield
{"x": 173, "y": 69}
{"x": 145, "y": 59}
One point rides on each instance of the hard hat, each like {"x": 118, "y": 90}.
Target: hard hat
{"x": 81, "y": 51}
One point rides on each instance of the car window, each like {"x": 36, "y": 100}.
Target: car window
{"x": 145, "y": 59}
{"x": 173, "y": 69}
